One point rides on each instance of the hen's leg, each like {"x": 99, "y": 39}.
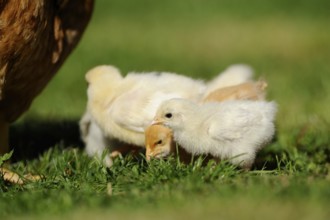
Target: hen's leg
{"x": 4, "y": 132}
{"x": 10, "y": 176}
{"x": 4, "y": 148}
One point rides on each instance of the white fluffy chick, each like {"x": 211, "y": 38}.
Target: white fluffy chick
{"x": 124, "y": 106}
{"x": 159, "y": 139}
{"x": 233, "y": 130}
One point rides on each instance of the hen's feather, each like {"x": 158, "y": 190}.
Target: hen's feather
{"x": 36, "y": 38}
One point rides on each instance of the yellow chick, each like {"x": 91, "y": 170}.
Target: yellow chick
{"x": 243, "y": 91}
{"x": 159, "y": 142}
{"x": 232, "y": 75}
{"x": 120, "y": 108}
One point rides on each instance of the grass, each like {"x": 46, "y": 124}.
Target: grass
{"x": 287, "y": 42}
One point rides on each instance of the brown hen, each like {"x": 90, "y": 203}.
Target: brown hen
{"x": 36, "y": 36}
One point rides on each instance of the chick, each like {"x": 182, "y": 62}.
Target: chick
{"x": 232, "y": 75}
{"x": 122, "y": 107}
{"x": 160, "y": 144}
{"x": 232, "y": 130}
{"x": 243, "y": 91}
{"x": 159, "y": 140}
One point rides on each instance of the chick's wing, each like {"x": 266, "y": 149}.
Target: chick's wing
{"x": 232, "y": 124}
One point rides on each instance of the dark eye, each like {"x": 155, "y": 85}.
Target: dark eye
{"x": 158, "y": 142}
{"x": 168, "y": 115}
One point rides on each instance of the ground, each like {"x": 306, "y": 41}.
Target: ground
{"x": 286, "y": 42}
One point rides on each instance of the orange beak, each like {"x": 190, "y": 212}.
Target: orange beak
{"x": 148, "y": 153}
{"x": 157, "y": 121}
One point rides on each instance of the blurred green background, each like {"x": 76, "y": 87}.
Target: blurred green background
{"x": 287, "y": 42}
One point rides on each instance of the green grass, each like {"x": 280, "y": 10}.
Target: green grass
{"x": 287, "y": 42}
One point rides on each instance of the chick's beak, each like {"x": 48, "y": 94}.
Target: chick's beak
{"x": 149, "y": 154}
{"x": 157, "y": 121}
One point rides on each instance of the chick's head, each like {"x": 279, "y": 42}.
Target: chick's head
{"x": 172, "y": 113}
{"x": 159, "y": 141}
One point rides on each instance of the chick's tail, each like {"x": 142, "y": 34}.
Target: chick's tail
{"x": 102, "y": 73}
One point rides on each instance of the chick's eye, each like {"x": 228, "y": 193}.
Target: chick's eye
{"x": 158, "y": 142}
{"x": 168, "y": 115}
